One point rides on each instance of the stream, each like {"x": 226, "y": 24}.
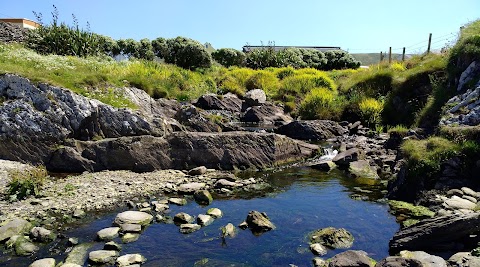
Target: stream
{"x": 303, "y": 200}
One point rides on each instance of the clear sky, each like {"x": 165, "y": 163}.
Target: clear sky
{"x": 358, "y": 26}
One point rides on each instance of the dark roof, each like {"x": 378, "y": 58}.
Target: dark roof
{"x": 249, "y": 48}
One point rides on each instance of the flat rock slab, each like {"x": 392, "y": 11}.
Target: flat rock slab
{"x": 130, "y": 259}
{"x": 189, "y": 228}
{"x": 349, "y": 258}
{"x": 433, "y": 233}
{"x": 14, "y": 227}
{"x": 426, "y": 259}
{"x": 48, "y": 262}
{"x": 102, "y": 256}
{"x": 459, "y": 203}
{"x": 190, "y": 188}
{"x": 133, "y": 217}
{"x": 108, "y": 233}
{"x": 177, "y": 201}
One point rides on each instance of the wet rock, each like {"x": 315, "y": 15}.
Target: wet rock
{"x": 182, "y": 218}
{"x": 259, "y": 222}
{"x": 160, "y": 207}
{"x": 362, "y": 169}
{"x": 325, "y": 166}
{"x": 332, "y": 237}
{"x": 204, "y": 220}
{"x": 78, "y": 255}
{"x": 112, "y": 245}
{"x": 198, "y": 171}
{"x": 72, "y": 241}
{"x": 463, "y": 259}
{"x": 130, "y": 237}
{"x": 134, "y": 217}
{"x": 438, "y": 233}
{"x": 40, "y": 234}
{"x": 223, "y": 183}
{"x": 190, "y": 188}
{"x": 243, "y": 225}
{"x": 215, "y": 212}
{"x": 470, "y": 192}
{"x": 395, "y": 261}
{"x": 349, "y": 258}
{"x": 255, "y": 97}
{"x": 130, "y": 228}
{"x": 177, "y": 201}
{"x": 313, "y": 130}
{"x": 319, "y": 262}
{"x": 318, "y": 249}
{"x": 102, "y": 256}
{"x": 189, "y": 228}
{"x": 16, "y": 226}
{"x": 48, "y": 262}
{"x": 203, "y": 197}
{"x": 130, "y": 259}
{"x": 23, "y": 246}
{"x": 229, "y": 230}
{"x": 78, "y": 214}
{"x": 343, "y": 159}
{"x": 409, "y": 210}
{"x": 426, "y": 259}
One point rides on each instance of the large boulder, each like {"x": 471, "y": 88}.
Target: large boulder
{"x": 349, "y": 258}
{"x": 314, "y": 130}
{"x": 267, "y": 113}
{"x": 17, "y": 226}
{"x": 259, "y": 222}
{"x": 396, "y": 261}
{"x": 343, "y": 159}
{"x": 133, "y": 217}
{"x": 229, "y": 102}
{"x": 362, "y": 169}
{"x": 196, "y": 120}
{"x": 255, "y": 97}
{"x": 102, "y": 256}
{"x": 438, "y": 233}
{"x": 38, "y": 119}
{"x": 332, "y": 237}
{"x": 426, "y": 259}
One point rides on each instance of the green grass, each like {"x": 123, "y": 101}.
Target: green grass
{"x": 24, "y": 183}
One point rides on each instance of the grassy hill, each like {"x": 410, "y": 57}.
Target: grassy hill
{"x": 368, "y": 59}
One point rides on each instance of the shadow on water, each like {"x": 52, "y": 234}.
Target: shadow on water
{"x": 303, "y": 200}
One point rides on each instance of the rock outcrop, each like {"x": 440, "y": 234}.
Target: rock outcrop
{"x": 465, "y": 110}
{"x": 315, "y": 130}
{"x": 10, "y": 33}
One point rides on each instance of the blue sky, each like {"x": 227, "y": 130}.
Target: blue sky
{"x": 354, "y": 25}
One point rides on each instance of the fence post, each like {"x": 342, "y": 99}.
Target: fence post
{"x": 429, "y": 43}
{"x": 390, "y": 55}
{"x": 381, "y": 56}
{"x": 403, "y": 54}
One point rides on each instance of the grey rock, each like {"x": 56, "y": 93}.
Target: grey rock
{"x": 470, "y": 192}
{"x": 204, "y": 220}
{"x": 71, "y": 265}
{"x": 189, "y": 228}
{"x": 130, "y": 237}
{"x": 396, "y": 261}
{"x": 79, "y": 253}
{"x": 463, "y": 259}
{"x": 130, "y": 259}
{"x": 102, "y": 256}
{"x": 133, "y": 217}
{"x": 108, "y": 233}
{"x": 78, "y": 214}
{"x": 314, "y": 130}
{"x": 160, "y": 207}
{"x": 259, "y": 222}
{"x": 332, "y": 237}
{"x": 177, "y": 201}
{"x": 203, "y": 197}
{"x": 215, "y": 212}
{"x": 190, "y": 188}
{"x": 435, "y": 233}
{"x": 362, "y": 169}
{"x": 459, "y": 203}
{"x": 426, "y": 259}
{"x": 343, "y": 159}
{"x": 224, "y": 183}
{"x": 42, "y": 235}
{"x": 455, "y": 192}
{"x": 131, "y": 228}
{"x": 198, "y": 171}
{"x": 112, "y": 245}
{"x": 255, "y": 97}
{"x": 266, "y": 114}
{"x": 229, "y": 230}
{"x": 47, "y": 262}
{"x": 16, "y": 226}
{"x": 183, "y": 218}
{"x": 318, "y": 249}
{"x": 11, "y": 33}
{"x": 349, "y": 258}
{"x": 325, "y": 166}
{"x": 23, "y": 247}
{"x": 213, "y": 102}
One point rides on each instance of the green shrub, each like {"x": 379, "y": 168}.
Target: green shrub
{"x": 370, "y": 111}
{"x": 302, "y": 83}
{"x": 62, "y": 39}
{"x": 263, "y": 80}
{"x": 321, "y": 103}
{"x": 187, "y": 53}
{"x": 339, "y": 59}
{"x": 262, "y": 58}
{"x": 400, "y": 129}
{"x": 282, "y": 73}
{"x": 229, "y": 57}
{"x": 26, "y": 183}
